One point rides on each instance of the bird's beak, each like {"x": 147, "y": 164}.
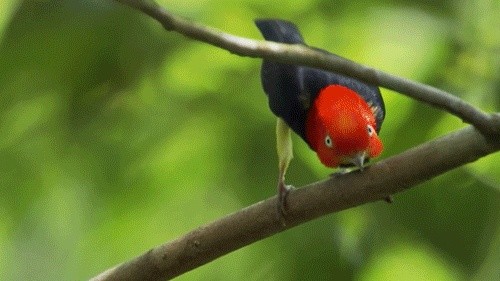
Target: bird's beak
{"x": 359, "y": 159}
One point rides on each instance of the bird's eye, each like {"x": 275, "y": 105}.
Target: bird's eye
{"x": 370, "y": 130}
{"x": 328, "y": 141}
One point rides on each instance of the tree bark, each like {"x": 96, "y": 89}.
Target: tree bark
{"x": 340, "y": 192}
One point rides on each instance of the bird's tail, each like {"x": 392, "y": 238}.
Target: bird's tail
{"x": 279, "y": 31}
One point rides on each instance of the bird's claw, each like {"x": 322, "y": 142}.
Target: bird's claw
{"x": 283, "y": 191}
{"x": 340, "y": 172}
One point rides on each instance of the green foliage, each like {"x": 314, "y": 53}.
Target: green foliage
{"x": 116, "y": 136}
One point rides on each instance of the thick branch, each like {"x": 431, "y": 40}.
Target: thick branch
{"x": 258, "y": 221}
{"x": 386, "y": 177}
{"x": 297, "y": 54}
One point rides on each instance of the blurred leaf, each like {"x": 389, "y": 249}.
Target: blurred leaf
{"x": 408, "y": 260}
{"x": 8, "y": 8}
{"x": 116, "y": 136}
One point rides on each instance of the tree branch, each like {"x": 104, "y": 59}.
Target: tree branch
{"x": 303, "y": 55}
{"x": 340, "y": 192}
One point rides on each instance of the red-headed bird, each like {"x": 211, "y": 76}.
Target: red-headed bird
{"x": 338, "y": 116}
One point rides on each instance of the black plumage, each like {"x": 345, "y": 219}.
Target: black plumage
{"x": 291, "y": 88}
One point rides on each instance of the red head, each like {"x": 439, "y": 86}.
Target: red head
{"x": 341, "y": 127}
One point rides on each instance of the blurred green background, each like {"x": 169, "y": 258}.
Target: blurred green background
{"x": 116, "y": 136}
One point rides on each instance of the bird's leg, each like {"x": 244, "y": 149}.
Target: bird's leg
{"x": 283, "y": 190}
{"x": 285, "y": 155}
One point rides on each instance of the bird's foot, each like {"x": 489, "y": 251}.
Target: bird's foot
{"x": 341, "y": 171}
{"x": 283, "y": 191}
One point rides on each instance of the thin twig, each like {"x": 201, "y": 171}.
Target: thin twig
{"x": 297, "y": 54}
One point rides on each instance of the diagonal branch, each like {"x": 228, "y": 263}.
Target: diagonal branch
{"x": 260, "y": 220}
{"x": 303, "y": 55}
{"x": 384, "y": 178}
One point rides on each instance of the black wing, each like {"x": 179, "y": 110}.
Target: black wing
{"x": 281, "y": 82}
{"x": 292, "y": 88}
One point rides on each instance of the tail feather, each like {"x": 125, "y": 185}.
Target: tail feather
{"x": 279, "y": 31}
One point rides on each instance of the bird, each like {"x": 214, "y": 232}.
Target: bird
{"x": 338, "y": 116}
